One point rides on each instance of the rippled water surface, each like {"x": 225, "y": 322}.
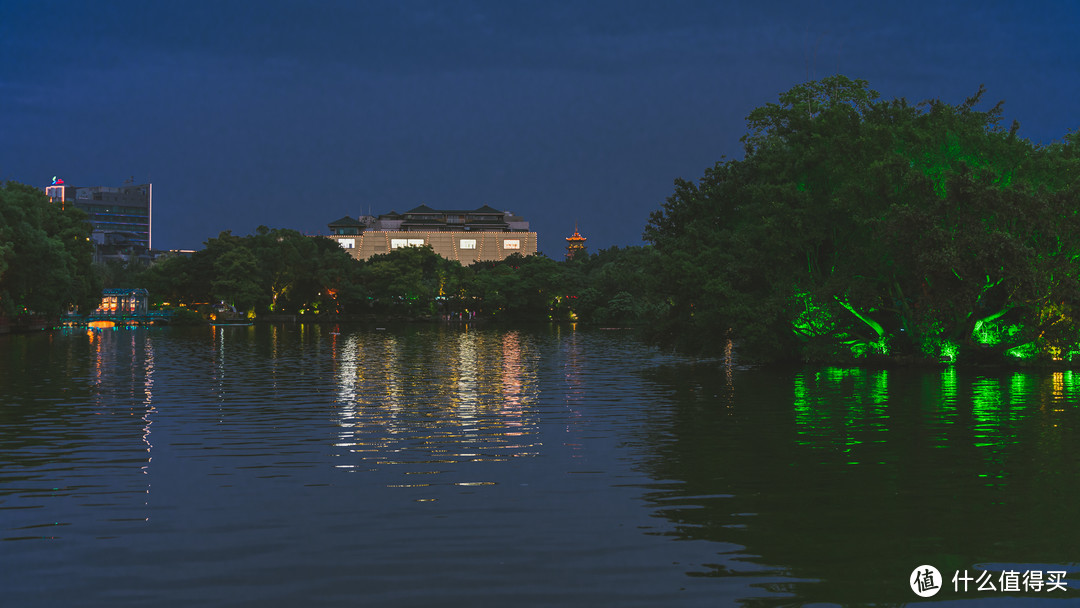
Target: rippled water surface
{"x": 417, "y": 466}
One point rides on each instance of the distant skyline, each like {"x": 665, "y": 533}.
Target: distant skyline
{"x": 291, "y": 114}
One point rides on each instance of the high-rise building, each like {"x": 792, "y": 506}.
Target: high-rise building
{"x": 119, "y": 216}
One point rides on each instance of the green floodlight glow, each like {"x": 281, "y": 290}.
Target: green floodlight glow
{"x": 986, "y": 399}
{"x": 810, "y": 419}
{"x": 1024, "y": 351}
{"x": 931, "y": 343}
{"x": 883, "y": 345}
{"x": 878, "y": 329}
{"x": 813, "y": 320}
{"x": 816, "y": 321}
{"x": 949, "y": 383}
{"x": 824, "y": 420}
{"x": 949, "y": 350}
{"x": 990, "y": 333}
{"x": 860, "y": 349}
{"x": 835, "y": 374}
{"x": 879, "y": 392}
{"x": 800, "y": 399}
{"x": 1019, "y": 387}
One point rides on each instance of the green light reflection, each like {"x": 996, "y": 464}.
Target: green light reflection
{"x": 841, "y": 409}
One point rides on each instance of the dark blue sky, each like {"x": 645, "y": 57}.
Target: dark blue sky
{"x": 293, "y": 114}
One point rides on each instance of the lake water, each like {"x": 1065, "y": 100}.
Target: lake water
{"x": 321, "y": 465}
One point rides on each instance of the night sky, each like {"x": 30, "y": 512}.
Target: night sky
{"x": 293, "y": 114}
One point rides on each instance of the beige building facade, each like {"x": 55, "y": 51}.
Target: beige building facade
{"x": 467, "y": 236}
{"x": 466, "y": 247}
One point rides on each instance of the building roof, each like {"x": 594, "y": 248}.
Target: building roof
{"x": 345, "y": 221}
{"x": 485, "y": 210}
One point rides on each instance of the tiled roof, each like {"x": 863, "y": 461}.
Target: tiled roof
{"x": 346, "y": 221}
{"x": 485, "y": 210}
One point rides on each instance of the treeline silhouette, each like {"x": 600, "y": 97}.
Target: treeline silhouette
{"x": 282, "y": 272}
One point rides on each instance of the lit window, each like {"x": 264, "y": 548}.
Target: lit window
{"x": 399, "y": 243}
{"x": 468, "y": 243}
{"x": 511, "y": 244}
{"x": 347, "y": 243}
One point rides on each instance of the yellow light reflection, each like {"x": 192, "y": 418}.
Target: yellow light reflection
{"x": 415, "y": 401}
{"x": 148, "y": 405}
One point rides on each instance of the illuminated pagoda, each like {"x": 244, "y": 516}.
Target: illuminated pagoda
{"x": 575, "y": 245}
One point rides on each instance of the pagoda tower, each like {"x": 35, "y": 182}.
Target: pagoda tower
{"x": 575, "y": 245}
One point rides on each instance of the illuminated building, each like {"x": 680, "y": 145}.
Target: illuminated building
{"x": 467, "y": 236}
{"x": 119, "y": 217}
{"x": 123, "y": 302}
{"x": 575, "y": 245}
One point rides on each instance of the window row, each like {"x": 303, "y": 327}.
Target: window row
{"x": 399, "y": 243}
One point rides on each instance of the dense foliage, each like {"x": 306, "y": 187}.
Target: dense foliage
{"x": 45, "y": 255}
{"x": 854, "y": 227}
{"x": 857, "y": 227}
{"x": 284, "y": 272}
{"x": 272, "y": 271}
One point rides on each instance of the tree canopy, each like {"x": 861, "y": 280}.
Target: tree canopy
{"x": 857, "y": 226}
{"x": 853, "y": 227}
{"x": 45, "y": 255}
{"x": 277, "y": 271}
{"x": 271, "y": 271}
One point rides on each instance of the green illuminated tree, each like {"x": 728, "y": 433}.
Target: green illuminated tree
{"x": 859, "y": 226}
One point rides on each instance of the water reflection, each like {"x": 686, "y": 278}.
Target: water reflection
{"x": 148, "y": 403}
{"x": 75, "y": 404}
{"x": 461, "y": 396}
{"x": 835, "y": 483}
{"x": 825, "y": 419}
{"x": 485, "y": 465}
